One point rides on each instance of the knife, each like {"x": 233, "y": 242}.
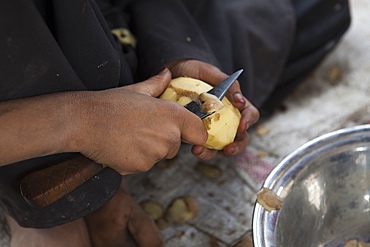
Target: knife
{"x": 46, "y": 186}
{"x": 219, "y": 91}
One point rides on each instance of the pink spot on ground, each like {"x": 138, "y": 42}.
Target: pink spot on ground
{"x": 257, "y": 168}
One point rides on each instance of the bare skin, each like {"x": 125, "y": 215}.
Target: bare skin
{"x": 122, "y": 222}
{"x": 27, "y": 237}
{"x": 119, "y": 223}
{"x": 81, "y": 122}
{"x": 93, "y": 123}
{"x": 153, "y": 130}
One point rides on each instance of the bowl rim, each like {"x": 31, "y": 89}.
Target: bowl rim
{"x": 264, "y": 222}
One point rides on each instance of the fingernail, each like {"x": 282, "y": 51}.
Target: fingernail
{"x": 233, "y": 150}
{"x": 238, "y": 98}
{"x": 163, "y": 70}
{"x": 198, "y": 150}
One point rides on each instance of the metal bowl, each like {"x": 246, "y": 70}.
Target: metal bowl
{"x": 325, "y": 185}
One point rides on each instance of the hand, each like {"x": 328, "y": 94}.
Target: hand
{"x": 212, "y": 75}
{"x": 125, "y": 128}
{"x": 130, "y": 130}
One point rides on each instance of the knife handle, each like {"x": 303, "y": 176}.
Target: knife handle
{"x": 43, "y": 187}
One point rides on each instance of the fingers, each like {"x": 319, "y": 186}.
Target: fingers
{"x": 239, "y": 144}
{"x": 192, "y": 130}
{"x": 203, "y": 153}
{"x": 192, "y": 127}
{"x": 155, "y": 85}
{"x": 250, "y": 114}
{"x": 198, "y": 70}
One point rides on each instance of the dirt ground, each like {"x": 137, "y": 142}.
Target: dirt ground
{"x": 335, "y": 96}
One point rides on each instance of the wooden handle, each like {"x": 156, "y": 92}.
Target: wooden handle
{"x": 43, "y": 187}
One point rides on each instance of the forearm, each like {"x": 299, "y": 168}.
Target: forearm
{"x": 37, "y": 126}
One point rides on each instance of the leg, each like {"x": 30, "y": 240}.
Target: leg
{"x": 121, "y": 222}
{"x": 71, "y": 234}
{"x": 315, "y": 38}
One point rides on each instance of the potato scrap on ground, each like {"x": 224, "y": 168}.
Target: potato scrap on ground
{"x": 262, "y": 130}
{"x": 261, "y": 154}
{"x": 153, "y": 209}
{"x": 182, "y": 210}
{"x": 269, "y": 200}
{"x": 351, "y": 243}
{"x": 363, "y": 244}
{"x": 356, "y": 243}
{"x": 208, "y": 170}
{"x": 334, "y": 75}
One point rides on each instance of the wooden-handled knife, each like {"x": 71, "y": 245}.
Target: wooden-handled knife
{"x": 43, "y": 187}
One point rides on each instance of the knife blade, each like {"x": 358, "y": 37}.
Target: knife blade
{"x": 219, "y": 91}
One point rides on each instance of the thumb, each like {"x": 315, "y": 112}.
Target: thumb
{"x": 155, "y": 85}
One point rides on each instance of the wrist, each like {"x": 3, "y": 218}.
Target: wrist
{"x": 74, "y": 116}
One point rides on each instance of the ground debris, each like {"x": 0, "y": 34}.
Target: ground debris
{"x": 356, "y": 243}
{"x": 262, "y": 130}
{"x": 182, "y": 210}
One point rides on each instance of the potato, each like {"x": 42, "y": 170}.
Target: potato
{"x": 221, "y": 125}
{"x": 182, "y": 210}
{"x": 153, "y": 209}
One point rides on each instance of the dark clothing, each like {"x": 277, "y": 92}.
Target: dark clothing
{"x": 64, "y": 45}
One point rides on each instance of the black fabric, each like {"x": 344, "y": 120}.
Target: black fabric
{"x": 31, "y": 61}
{"x": 166, "y": 31}
{"x": 64, "y": 45}
{"x": 229, "y": 34}
{"x": 314, "y": 39}
{"x": 88, "y": 44}
{"x": 262, "y": 35}
{"x": 90, "y": 196}
{"x": 37, "y": 59}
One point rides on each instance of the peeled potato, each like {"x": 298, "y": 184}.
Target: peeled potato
{"x": 221, "y": 125}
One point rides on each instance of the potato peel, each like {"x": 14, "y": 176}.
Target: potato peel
{"x": 269, "y": 200}
{"x": 208, "y": 170}
{"x": 182, "y": 210}
{"x": 210, "y": 103}
{"x": 356, "y": 243}
{"x": 153, "y": 209}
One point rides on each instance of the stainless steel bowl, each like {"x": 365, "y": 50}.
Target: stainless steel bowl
{"x": 325, "y": 185}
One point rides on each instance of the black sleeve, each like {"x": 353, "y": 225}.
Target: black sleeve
{"x": 165, "y": 32}
{"x": 66, "y": 47}
{"x": 34, "y": 62}
{"x": 30, "y": 59}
